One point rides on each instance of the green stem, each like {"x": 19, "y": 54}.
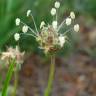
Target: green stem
{"x": 51, "y": 77}
{"x": 15, "y": 82}
{"x": 8, "y": 78}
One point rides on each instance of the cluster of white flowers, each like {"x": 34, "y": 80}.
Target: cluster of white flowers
{"x": 49, "y": 36}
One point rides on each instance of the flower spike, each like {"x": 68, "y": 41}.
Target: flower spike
{"x": 49, "y": 37}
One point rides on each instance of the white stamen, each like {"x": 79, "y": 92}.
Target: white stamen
{"x": 53, "y": 11}
{"x": 62, "y": 40}
{"x": 29, "y": 28}
{"x": 68, "y": 21}
{"x": 42, "y": 24}
{"x": 24, "y": 28}
{"x": 54, "y": 24}
{"x": 17, "y": 22}
{"x": 72, "y": 15}
{"x": 17, "y": 36}
{"x": 76, "y": 27}
{"x": 28, "y": 12}
{"x": 57, "y": 4}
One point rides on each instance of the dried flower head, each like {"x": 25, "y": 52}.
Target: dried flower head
{"x": 49, "y": 37}
{"x": 12, "y": 53}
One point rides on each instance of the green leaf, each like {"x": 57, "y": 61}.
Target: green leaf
{"x": 8, "y": 78}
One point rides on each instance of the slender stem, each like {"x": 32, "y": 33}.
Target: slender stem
{"x": 28, "y": 34}
{"x": 8, "y": 77}
{"x": 62, "y": 23}
{"x": 34, "y": 23}
{"x": 57, "y": 15}
{"x": 51, "y": 77}
{"x": 29, "y": 28}
{"x": 15, "y": 82}
{"x": 60, "y": 26}
{"x": 67, "y": 31}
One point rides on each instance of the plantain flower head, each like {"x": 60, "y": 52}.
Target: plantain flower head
{"x": 49, "y": 36}
{"x": 12, "y": 53}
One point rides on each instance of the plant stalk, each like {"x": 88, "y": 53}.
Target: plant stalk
{"x": 15, "y": 82}
{"x": 51, "y": 77}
